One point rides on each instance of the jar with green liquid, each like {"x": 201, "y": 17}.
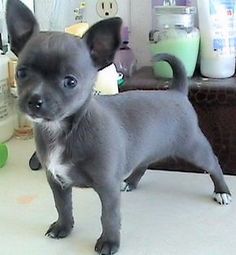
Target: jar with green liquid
{"x": 174, "y": 33}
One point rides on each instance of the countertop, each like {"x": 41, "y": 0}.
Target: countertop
{"x": 169, "y": 213}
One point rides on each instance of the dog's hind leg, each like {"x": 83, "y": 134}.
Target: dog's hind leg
{"x": 200, "y": 153}
{"x": 63, "y": 201}
{"x": 132, "y": 181}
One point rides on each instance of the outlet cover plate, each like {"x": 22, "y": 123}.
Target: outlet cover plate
{"x": 107, "y": 8}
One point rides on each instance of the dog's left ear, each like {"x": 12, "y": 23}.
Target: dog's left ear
{"x": 103, "y": 40}
{"x": 21, "y": 24}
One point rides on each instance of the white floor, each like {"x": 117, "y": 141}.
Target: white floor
{"x": 170, "y": 214}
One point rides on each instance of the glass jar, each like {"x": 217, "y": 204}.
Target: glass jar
{"x": 174, "y": 33}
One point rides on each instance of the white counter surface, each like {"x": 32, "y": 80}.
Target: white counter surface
{"x": 169, "y": 214}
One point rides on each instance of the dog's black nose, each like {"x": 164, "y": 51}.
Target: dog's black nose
{"x": 35, "y": 102}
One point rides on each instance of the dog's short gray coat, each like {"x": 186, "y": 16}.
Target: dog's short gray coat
{"x": 99, "y": 141}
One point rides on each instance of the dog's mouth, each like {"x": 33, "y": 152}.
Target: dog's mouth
{"x": 38, "y": 119}
{"x": 44, "y": 118}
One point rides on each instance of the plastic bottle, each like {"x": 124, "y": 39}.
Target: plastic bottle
{"x": 6, "y": 117}
{"x": 217, "y": 53}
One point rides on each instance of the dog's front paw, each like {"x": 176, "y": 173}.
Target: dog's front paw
{"x": 58, "y": 230}
{"x": 106, "y": 247}
{"x": 222, "y": 198}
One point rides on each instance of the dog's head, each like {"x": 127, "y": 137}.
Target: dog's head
{"x": 56, "y": 71}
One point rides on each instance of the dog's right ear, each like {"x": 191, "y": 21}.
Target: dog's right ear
{"x": 21, "y": 24}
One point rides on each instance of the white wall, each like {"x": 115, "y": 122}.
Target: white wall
{"x": 138, "y": 18}
{"x": 44, "y": 12}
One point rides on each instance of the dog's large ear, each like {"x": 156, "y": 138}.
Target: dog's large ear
{"x": 103, "y": 39}
{"x": 21, "y": 24}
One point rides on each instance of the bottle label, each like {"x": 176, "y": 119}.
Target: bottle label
{"x": 4, "y": 97}
{"x": 223, "y": 28}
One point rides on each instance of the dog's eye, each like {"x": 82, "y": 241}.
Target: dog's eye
{"x": 21, "y": 73}
{"x": 70, "y": 82}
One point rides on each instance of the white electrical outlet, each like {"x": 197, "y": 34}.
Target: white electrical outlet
{"x": 107, "y": 8}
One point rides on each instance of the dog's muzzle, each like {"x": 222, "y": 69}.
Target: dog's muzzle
{"x": 37, "y": 107}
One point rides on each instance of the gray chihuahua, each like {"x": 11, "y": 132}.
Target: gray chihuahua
{"x": 98, "y": 141}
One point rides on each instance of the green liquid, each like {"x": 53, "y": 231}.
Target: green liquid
{"x": 185, "y": 48}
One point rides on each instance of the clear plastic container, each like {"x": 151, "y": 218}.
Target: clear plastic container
{"x": 6, "y": 116}
{"x": 174, "y": 33}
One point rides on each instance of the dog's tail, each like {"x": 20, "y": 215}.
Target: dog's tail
{"x": 180, "y": 80}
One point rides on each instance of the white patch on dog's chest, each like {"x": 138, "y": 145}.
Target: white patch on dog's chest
{"x": 54, "y": 162}
{"x": 58, "y": 170}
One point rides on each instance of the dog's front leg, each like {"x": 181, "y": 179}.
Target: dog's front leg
{"x": 109, "y": 241}
{"x": 63, "y": 201}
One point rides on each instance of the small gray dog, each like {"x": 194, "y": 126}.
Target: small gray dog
{"x": 98, "y": 141}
